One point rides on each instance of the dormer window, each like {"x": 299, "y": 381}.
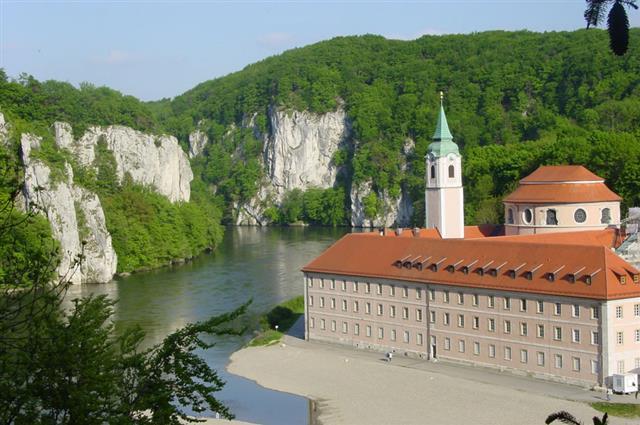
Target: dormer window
{"x": 465, "y": 269}
{"x": 494, "y": 271}
{"x": 623, "y": 279}
{"x": 436, "y": 265}
{"x": 588, "y": 279}
{"x": 452, "y": 171}
{"x": 452, "y": 267}
{"x": 529, "y": 273}
{"x": 551, "y": 276}
{"x": 575, "y": 275}
{"x": 636, "y": 278}
{"x": 420, "y": 264}
{"x": 514, "y": 271}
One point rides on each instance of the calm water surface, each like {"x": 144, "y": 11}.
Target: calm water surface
{"x": 257, "y": 263}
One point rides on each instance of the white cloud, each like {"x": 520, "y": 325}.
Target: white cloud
{"x": 115, "y": 57}
{"x": 275, "y": 39}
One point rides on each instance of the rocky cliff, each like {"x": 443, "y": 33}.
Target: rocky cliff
{"x": 155, "y": 161}
{"x": 76, "y": 217}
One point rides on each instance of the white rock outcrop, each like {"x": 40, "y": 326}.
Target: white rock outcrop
{"x": 299, "y": 150}
{"x": 392, "y": 212}
{"x": 76, "y": 218}
{"x": 4, "y": 129}
{"x": 155, "y": 161}
{"x": 198, "y": 139}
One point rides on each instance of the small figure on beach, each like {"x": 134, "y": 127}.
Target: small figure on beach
{"x": 609, "y": 392}
{"x": 389, "y": 356}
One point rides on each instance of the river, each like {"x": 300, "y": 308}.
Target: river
{"x": 262, "y": 264}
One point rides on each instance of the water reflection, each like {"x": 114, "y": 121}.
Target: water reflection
{"x": 258, "y": 263}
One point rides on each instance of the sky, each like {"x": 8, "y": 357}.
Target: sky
{"x": 158, "y": 49}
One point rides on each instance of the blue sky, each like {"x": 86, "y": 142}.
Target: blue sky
{"x": 155, "y": 49}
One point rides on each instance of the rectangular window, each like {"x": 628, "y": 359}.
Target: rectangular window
{"x": 379, "y": 291}
{"x": 507, "y": 303}
{"x": 540, "y": 332}
{"x": 620, "y": 338}
{"x": 507, "y": 326}
{"x": 406, "y": 336}
{"x": 310, "y": 300}
{"x": 524, "y": 329}
{"x": 595, "y": 337}
{"x": 445, "y": 296}
{"x": 594, "y": 367}
{"x": 621, "y": 366}
{"x": 507, "y": 353}
{"x": 321, "y": 302}
{"x": 310, "y": 283}
{"x": 460, "y": 298}
{"x": 461, "y": 345}
{"x": 558, "y": 309}
{"x": 367, "y": 288}
{"x": 576, "y": 310}
{"x": 333, "y": 284}
{"x": 557, "y": 333}
{"x": 356, "y": 329}
{"x": 322, "y": 324}
{"x": 540, "y": 307}
{"x": 576, "y": 335}
{"x": 393, "y": 334}
{"x": 368, "y": 330}
{"x": 595, "y": 312}
{"x": 619, "y": 312}
{"x": 636, "y": 310}
{"x": 445, "y": 319}
{"x": 380, "y": 333}
{"x": 333, "y": 326}
{"x": 367, "y": 308}
{"x": 405, "y": 292}
{"x": 557, "y": 359}
{"x": 576, "y": 364}
{"x": 461, "y": 320}
{"x": 355, "y": 306}
{"x": 476, "y": 348}
{"x": 523, "y": 305}
{"x": 637, "y": 360}
{"x": 392, "y": 311}
{"x": 524, "y": 356}
{"x": 447, "y": 344}
{"x": 321, "y": 283}
{"x": 491, "y": 325}
{"x": 432, "y": 294}
{"x": 333, "y": 303}
{"x": 312, "y": 322}
{"x": 432, "y": 316}
{"x": 344, "y": 285}
{"x": 540, "y": 356}
{"x": 418, "y": 294}
{"x": 419, "y": 315}
{"x": 474, "y": 300}
{"x": 344, "y": 305}
{"x": 345, "y": 327}
{"x": 355, "y": 286}
{"x": 637, "y": 335}
{"x": 392, "y": 290}
{"x": 491, "y": 301}
{"x": 419, "y": 339}
{"x": 492, "y": 351}
{"x": 476, "y": 322}
{"x": 405, "y": 312}
{"x": 380, "y": 310}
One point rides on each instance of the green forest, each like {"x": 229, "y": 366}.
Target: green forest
{"x": 514, "y": 101}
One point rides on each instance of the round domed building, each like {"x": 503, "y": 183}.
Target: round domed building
{"x": 560, "y": 198}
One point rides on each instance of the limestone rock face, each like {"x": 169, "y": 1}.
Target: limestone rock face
{"x": 63, "y": 134}
{"x": 392, "y": 212}
{"x": 75, "y": 215}
{"x": 156, "y": 161}
{"x": 299, "y": 150}
{"x": 4, "y": 130}
{"x": 197, "y": 141}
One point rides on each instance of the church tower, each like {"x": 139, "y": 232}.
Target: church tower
{"x": 444, "y": 207}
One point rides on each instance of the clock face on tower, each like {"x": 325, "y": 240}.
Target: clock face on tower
{"x": 451, "y": 157}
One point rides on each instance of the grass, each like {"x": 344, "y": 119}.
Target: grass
{"x": 622, "y": 410}
{"x": 283, "y": 315}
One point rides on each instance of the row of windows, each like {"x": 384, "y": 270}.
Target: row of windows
{"x": 620, "y": 336}
{"x": 621, "y": 367}
{"x": 368, "y": 331}
{"x": 551, "y": 217}
{"x": 620, "y": 311}
{"x": 524, "y": 355}
{"x": 355, "y": 307}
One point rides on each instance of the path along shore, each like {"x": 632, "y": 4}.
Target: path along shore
{"x": 360, "y": 387}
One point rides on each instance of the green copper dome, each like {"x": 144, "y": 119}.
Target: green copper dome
{"x": 442, "y": 144}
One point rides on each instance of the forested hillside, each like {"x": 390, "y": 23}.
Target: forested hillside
{"x": 513, "y": 100}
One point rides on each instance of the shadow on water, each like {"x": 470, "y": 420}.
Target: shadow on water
{"x": 259, "y": 263}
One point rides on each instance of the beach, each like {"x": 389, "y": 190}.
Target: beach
{"x": 352, "y": 386}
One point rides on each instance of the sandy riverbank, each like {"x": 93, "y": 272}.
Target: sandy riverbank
{"x": 356, "y": 387}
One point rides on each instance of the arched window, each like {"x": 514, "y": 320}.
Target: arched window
{"x": 606, "y": 216}
{"x": 433, "y": 171}
{"x": 552, "y": 220}
{"x": 527, "y": 215}
{"x": 510, "y": 216}
{"x": 452, "y": 172}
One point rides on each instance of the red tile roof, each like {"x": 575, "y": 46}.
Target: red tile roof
{"x": 361, "y": 255}
{"x": 561, "y": 173}
{"x": 565, "y": 193}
